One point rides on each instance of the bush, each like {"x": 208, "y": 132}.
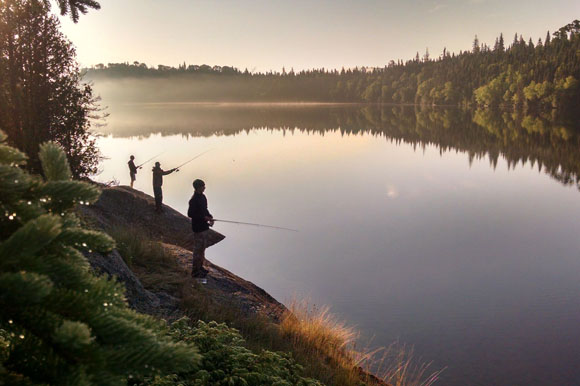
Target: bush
{"x": 227, "y": 362}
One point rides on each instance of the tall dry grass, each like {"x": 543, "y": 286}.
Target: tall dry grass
{"x": 316, "y": 333}
{"x": 397, "y": 365}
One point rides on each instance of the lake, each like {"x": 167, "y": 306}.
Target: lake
{"x": 454, "y": 232}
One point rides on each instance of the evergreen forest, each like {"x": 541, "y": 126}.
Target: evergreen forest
{"x": 528, "y": 75}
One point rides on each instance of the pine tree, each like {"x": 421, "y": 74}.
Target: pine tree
{"x": 501, "y": 46}
{"x": 61, "y": 324}
{"x": 426, "y": 55}
{"x": 75, "y": 7}
{"x": 476, "y": 47}
{"x": 42, "y": 96}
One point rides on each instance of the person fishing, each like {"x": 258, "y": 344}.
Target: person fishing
{"x": 133, "y": 169}
{"x": 158, "y": 174}
{"x": 201, "y": 220}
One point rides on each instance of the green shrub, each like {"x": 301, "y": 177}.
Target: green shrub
{"x": 227, "y": 362}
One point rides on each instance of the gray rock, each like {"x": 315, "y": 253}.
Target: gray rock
{"x": 124, "y": 206}
{"x": 139, "y": 298}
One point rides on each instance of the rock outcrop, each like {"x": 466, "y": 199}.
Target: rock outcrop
{"x": 123, "y": 206}
{"x": 139, "y": 298}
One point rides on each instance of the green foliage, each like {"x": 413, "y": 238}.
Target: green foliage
{"x": 227, "y": 362}
{"x": 59, "y": 323}
{"x": 54, "y": 163}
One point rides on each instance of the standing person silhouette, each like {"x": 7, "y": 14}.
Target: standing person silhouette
{"x": 133, "y": 169}
{"x": 158, "y": 174}
{"x": 201, "y": 220}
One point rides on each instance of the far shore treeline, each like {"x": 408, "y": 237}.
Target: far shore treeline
{"x": 520, "y": 74}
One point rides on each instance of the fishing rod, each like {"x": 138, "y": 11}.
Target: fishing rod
{"x": 152, "y": 158}
{"x": 197, "y": 156}
{"x": 257, "y": 225}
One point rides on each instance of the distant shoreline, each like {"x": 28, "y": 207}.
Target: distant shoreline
{"x": 282, "y": 104}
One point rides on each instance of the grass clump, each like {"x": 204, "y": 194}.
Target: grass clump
{"x": 398, "y": 367}
{"x": 317, "y": 334}
{"x": 324, "y": 342}
{"x": 157, "y": 269}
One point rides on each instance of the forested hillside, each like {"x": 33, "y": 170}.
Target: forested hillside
{"x": 520, "y": 74}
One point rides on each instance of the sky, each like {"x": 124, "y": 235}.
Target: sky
{"x": 263, "y": 35}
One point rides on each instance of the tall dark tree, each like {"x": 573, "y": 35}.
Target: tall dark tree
{"x": 476, "y": 46}
{"x": 501, "y": 46}
{"x": 426, "y": 55}
{"x": 41, "y": 94}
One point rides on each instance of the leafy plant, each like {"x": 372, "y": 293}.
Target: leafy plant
{"x": 227, "y": 362}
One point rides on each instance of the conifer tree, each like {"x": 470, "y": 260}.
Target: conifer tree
{"x": 75, "y": 7}
{"x": 61, "y": 324}
{"x": 42, "y": 96}
{"x": 426, "y": 55}
{"x": 476, "y": 47}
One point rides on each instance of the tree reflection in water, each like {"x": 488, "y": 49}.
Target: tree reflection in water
{"x": 548, "y": 142}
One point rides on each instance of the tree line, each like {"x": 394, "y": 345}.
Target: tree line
{"x": 522, "y": 75}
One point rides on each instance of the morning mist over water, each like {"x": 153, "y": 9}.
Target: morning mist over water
{"x": 450, "y": 230}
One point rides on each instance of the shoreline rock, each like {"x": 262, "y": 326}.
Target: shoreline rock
{"x": 127, "y": 207}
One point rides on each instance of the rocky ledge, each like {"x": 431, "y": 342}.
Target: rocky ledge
{"x": 124, "y": 206}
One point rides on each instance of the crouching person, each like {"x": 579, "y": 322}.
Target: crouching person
{"x": 201, "y": 220}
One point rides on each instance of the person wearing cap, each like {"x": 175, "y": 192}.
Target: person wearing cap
{"x": 158, "y": 174}
{"x": 133, "y": 169}
{"x": 201, "y": 220}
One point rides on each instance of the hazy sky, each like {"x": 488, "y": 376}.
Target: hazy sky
{"x": 268, "y": 34}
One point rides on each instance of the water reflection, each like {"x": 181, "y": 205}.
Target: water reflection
{"x": 549, "y": 144}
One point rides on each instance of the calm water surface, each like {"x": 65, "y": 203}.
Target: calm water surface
{"x": 454, "y": 232}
